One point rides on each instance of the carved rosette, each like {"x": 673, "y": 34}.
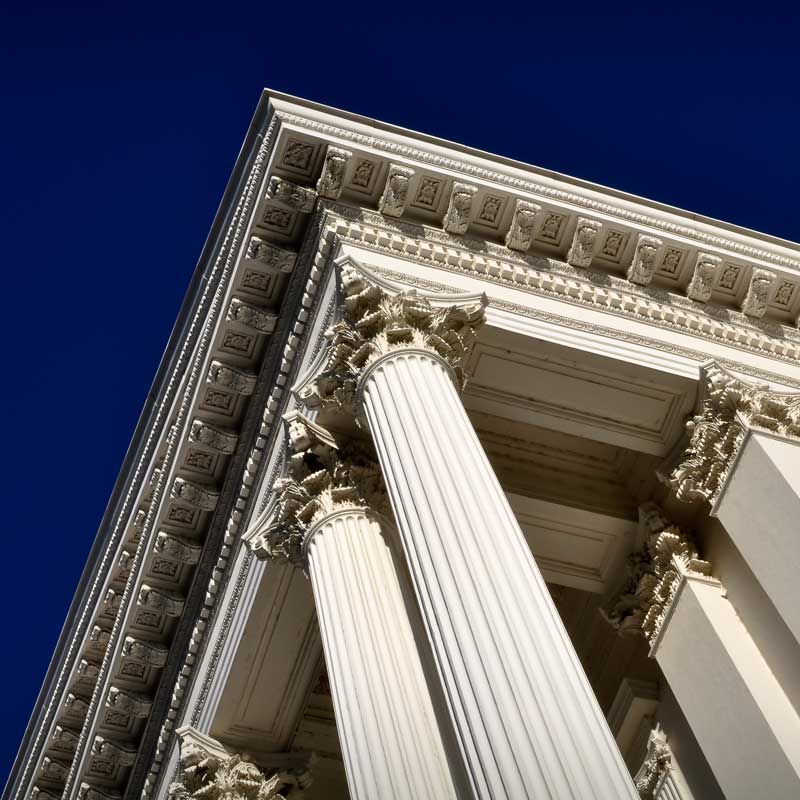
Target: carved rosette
{"x": 653, "y": 575}
{"x": 376, "y": 323}
{"x": 211, "y": 773}
{"x": 717, "y": 432}
{"x": 324, "y": 475}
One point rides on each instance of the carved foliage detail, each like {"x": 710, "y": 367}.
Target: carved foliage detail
{"x": 582, "y": 248}
{"x": 716, "y": 433}
{"x": 705, "y": 272}
{"x": 456, "y": 219}
{"x": 270, "y": 255}
{"x": 520, "y": 234}
{"x": 290, "y": 195}
{"x": 393, "y": 200}
{"x": 376, "y": 323}
{"x": 755, "y": 301}
{"x": 653, "y": 575}
{"x": 332, "y": 179}
{"x": 643, "y": 266}
{"x": 251, "y": 316}
{"x": 213, "y": 774}
{"x": 656, "y": 764}
{"x": 324, "y": 475}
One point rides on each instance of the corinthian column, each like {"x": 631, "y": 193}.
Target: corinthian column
{"x": 525, "y": 717}
{"x": 330, "y": 521}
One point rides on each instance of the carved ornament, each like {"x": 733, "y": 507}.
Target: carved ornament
{"x": 376, "y": 323}
{"x": 393, "y": 200}
{"x": 583, "y": 241}
{"x": 657, "y": 763}
{"x": 729, "y": 406}
{"x": 325, "y": 474}
{"x": 207, "y": 771}
{"x": 653, "y": 575}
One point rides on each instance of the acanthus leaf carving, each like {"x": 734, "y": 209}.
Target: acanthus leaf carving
{"x": 168, "y": 604}
{"x": 755, "y": 301}
{"x": 128, "y": 703}
{"x": 177, "y": 549}
{"x": 324, "y": 474}
{"x": 149, "y": 653}
{"x": 393, "y": 200}
{"x": 331, "y": 181}
{"x": 290, "y": 195}
{"x": 208, "y": 771}
{"x": 643, "y": 266}
{"x": 214, "y": 438}
{"x": 277, "y": 259}
{"x": 581, "y": 250}
{"x": 459, "y": 210}
{"x": 717, "y": 432}
{"x": 653, "y": 574}
{"x": 705, "y": 272}
{"x": 520, "y": 234}
{"x": 233, "y": 379}
{"x": 251, "y": 316}
{"x": 376, "y": 323}
{"x": 199, "y": 496}
{"x": 657, "y": 763}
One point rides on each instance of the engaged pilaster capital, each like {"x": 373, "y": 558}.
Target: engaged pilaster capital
{"x": 653, "y": 574}
{"x": 657, "y": 762}
{"x": 325, "y": 474}
{"x": 376, "y": 322}
{"x": 729, "y": 407}
{"x": 209, "y": 771}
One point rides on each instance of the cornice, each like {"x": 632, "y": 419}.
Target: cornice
{"x": 378, "y": 140}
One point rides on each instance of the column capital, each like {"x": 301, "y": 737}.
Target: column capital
{"x": 729, "y": 406}
{"x": 378, "y": 319}
{"x": 326, "y": 473}
{"x": 209, "y": 771}
{"x": 653, "y": 574}
{"x": 657, "y": 762}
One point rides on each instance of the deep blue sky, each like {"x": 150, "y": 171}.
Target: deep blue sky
{"x": 120, "y": 126}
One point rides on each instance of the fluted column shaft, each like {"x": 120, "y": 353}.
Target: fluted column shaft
{"x": 526, "y": 720}
{"x": 388, "y": 732}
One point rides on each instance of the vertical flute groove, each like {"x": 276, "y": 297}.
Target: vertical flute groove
{"x": 388, "y": 729}
{"x": 526, "y": 720}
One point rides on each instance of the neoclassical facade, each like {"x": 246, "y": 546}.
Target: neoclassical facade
{"x": 459, "y": 479}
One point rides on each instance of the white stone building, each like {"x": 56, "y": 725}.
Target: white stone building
{"x": 459, "y": 479}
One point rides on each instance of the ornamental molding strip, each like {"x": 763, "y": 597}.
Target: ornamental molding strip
{"x": 552, "y": 278}
{"x": 653, "y": 575}
{"x": 208, "y": 771}
{"x": 729, "y": 407}
{"x": 326, "y": 473}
